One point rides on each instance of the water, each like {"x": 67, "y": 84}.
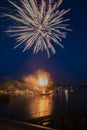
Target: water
{"x": 27, "y": 107}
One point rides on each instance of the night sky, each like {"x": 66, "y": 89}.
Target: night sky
{"x": 67, "y": 67}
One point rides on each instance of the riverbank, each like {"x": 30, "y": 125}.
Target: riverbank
{"x": 6, "y": 124}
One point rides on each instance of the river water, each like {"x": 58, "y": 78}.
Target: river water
{"x": 26, "y": 107}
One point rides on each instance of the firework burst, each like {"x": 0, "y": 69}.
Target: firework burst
{"x": 40, "y": 23}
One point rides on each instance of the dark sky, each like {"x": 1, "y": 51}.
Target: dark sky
{"x": 67, "y": 67}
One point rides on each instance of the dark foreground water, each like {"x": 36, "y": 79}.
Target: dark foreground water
{"x": 27, "y": 107}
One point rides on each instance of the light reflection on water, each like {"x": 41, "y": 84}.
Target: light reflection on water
{"x": 66, "y": 95}
{"x": 40, "y": 106}
{"x": 27, "y": 107}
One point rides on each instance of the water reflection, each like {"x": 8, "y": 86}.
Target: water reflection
{"x": 66, "y": 95}
{"x": 26, "y": 107}
{"x": 40, "y": 106}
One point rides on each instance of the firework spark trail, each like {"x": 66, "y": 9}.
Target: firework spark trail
{"x": 40, "y": 23}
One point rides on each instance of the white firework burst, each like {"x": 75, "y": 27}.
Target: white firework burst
{"x": 40, "y": 23}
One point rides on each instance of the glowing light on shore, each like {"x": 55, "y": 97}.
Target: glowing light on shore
{"x": 39, "y": 81}
{"x": 39, "y": 23}
{"x": 43, "y": 81}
